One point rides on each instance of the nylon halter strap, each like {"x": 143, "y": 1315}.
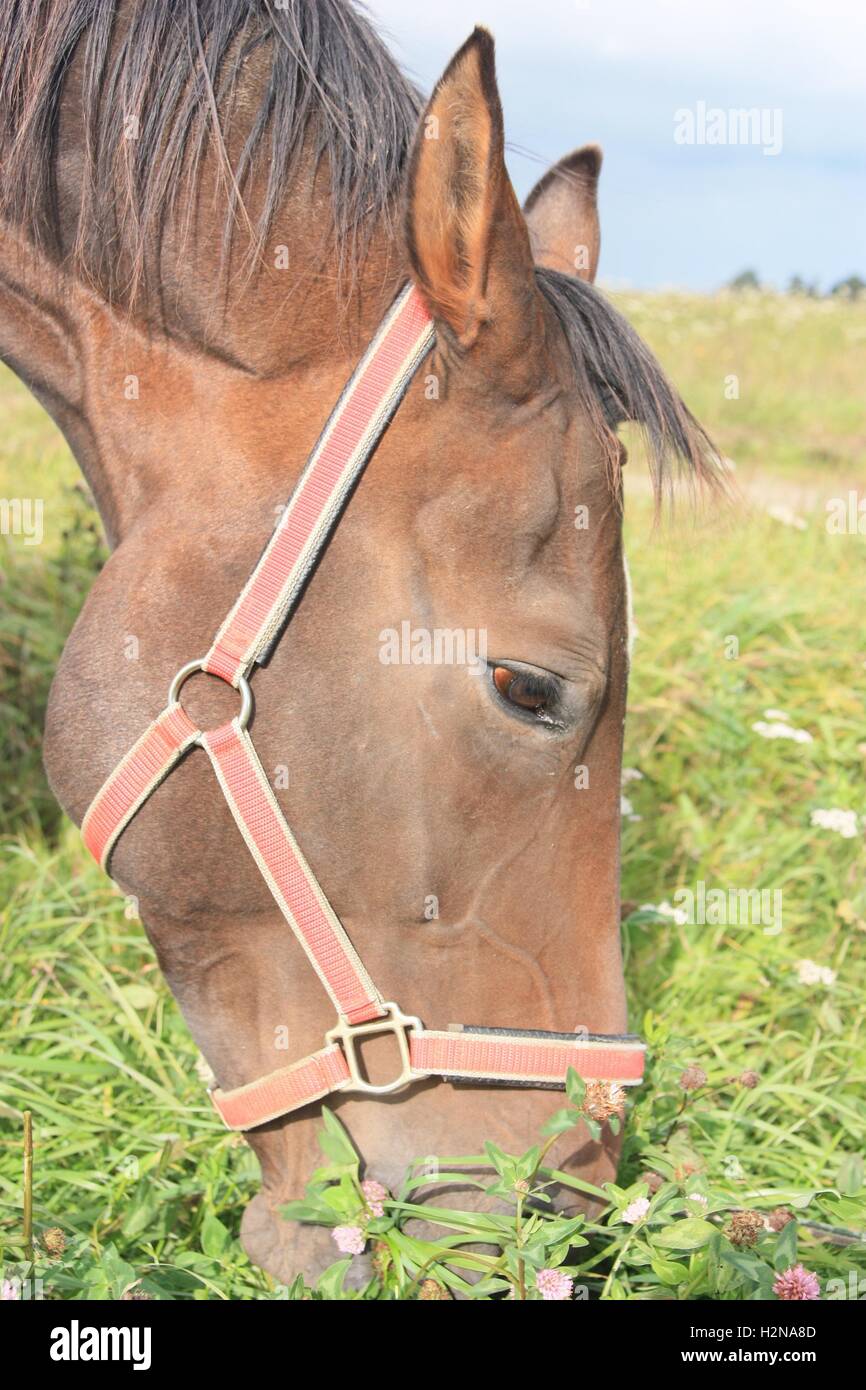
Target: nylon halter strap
{"x": 513, "y": 1057}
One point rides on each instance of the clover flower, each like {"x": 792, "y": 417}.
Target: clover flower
{"x": 693, "y": 1078}
{"x": 745, "y": 1227}
{"x": 350, "y": 1240}
{"x": 779, "y": 1218}
{"x": 602, "y": 1099}
{"x": 797, "y": 1283}
{"x": 636, "y": 1210}
{"x": 375, "y": 1195}
{"x": 554, "y": 1285}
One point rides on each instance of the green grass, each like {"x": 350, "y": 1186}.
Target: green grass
{"x": 130, "y": 1162}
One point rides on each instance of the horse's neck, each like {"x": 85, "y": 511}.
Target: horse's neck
{"x": 133, "y": 401}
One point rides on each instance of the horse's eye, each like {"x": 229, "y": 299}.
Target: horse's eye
{"x": 524, "y": 689}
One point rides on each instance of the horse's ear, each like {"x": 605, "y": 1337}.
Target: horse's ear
{"x": 467, "y": 240}
{"x": 562, "y": 214}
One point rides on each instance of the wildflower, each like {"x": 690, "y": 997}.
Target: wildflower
{"x": 54, "y": 1241}
{"x": 777, "y": 714}
{"x": 626, "y": 809}
{"x": 779, "y": 1217}
{"x": 602, "y": 1099}
{"x": 677, "y": 914}
{"x": 350, "y": 1240}
{"x": 843, "y": 822}
{"x": 745, "y": 1227}
{"x": 431, "y": 1290}
{"x": 693, "y": 1078}
{"x": 631, "y": 774}
{"x": 780, "y": 730}
{"x": 9, "y": 1291}
{"x": 797, "y": 1282}
{"x": 554, "y": 1285}
{"x": 636, "y": 1210}
{"x": 375, "y": 1195}
{"x": 749, "y": 1079}
{"x": 810, "y": 973}
{"x": 699, "y": 1198}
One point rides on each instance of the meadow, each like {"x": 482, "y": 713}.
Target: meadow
{"x": 749, "y": 614}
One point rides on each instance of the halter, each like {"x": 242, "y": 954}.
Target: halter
{"x": 504, "y": 1056}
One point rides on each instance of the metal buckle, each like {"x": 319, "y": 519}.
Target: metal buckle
{"x": 192, "y": 668}
{"x": 400, "y": 1024}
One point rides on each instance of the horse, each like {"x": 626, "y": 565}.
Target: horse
{"x": 205, "y": 214}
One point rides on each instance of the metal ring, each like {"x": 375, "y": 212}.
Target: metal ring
{"x": 192, "y": 668}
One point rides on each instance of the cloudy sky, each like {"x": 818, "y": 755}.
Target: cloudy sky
{"x": 617, "y": 71}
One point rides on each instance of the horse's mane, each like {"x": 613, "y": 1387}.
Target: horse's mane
{"x": 327, "y": 78}
{"x": 172, "y": 67}
{"x": 619, "y": 379}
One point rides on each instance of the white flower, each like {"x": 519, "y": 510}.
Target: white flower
{"x": 665, "y": 909}
{"x": 787, "y": 517}
{"x": 631, "y": 774}
{"x": 779, "y": 730}
{"x": 626, "y": 809}
{"x": 810, "y": 973}
{"x": 777, "y": 714}
{"x": 843, "y": 822}
{"x": 698, "y": 1197}
{"x": 636, "y": 1210}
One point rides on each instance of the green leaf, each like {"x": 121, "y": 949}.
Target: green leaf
{"x": 527, "y": 1164}
{"x": 575, "y": 1087}
{"x": 785, "y": 1253}
{"x": 560, "y": 1122}
{"x": 670, "y": 1272}
{"x": 502, "y": 1162}
{"x": 850, "y": 1176}
{"x": 330, "y": 1284}
{"x": 307, "y": 1211}
{"x": 750, "y": 1266}
{"x": 846, "y": 1211}
{"x": 140, "y": 1214}
{"x": 334, "y": 1141}
{"x": 690, "y": 1234}
{"x": 214, "y": 1236}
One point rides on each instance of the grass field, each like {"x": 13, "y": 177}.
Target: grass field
{"x": 738, "y": 613}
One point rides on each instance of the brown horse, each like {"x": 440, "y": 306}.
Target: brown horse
{"x": 206, "y": 210}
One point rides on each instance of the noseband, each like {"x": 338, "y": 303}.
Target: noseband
{"x": 462, "y": 1053}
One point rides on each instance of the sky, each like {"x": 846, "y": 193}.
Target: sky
{"x": 680, "y": 212}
